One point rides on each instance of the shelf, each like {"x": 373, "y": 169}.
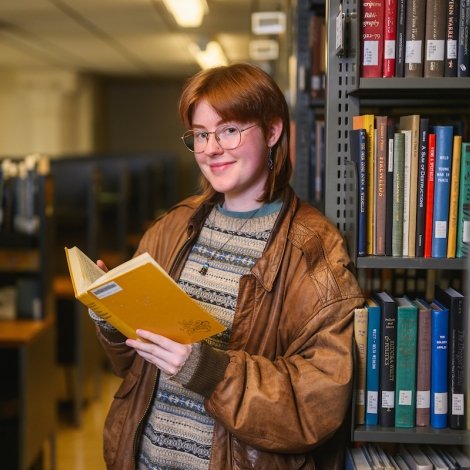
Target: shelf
{"x": 19, "y": 260}
{"x": 381, "y": 262}
{"x": 425, "y": 435}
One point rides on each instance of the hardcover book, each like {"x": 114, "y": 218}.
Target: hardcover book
{"x": 358, "y": 153}
{"x": 452, "y": 35}
{"x": 463, "y": 226}
{"x": 398, "y": 193}
{"x": 429, "y": 195}
{"x": 400, "y": 41}
{"x": 360, "y": 339}
{"x": 454, "y": 302}
{"x": 454, "y": 197}
{"x": 389, "y": 187}
{"x": 435, "y": 34}
{"x": 421, "y": 189}
{"x": 388, "y": 335}
{"x": 406, "y": 191}
{"x": 423, "y": 364}
{"x": 414, "y": 37}
{"x": 139, "y": 294}
{"x": 439, "y": 357}
{"x": 405, "y": 392}
{"x": 372, "y": 363}
{"x": 463, "y": 44}
{"x": 390, "y": 36}
{"x": 372, "y": 38}
{"x": 444, "y": 138}
{"x": 380, "y": 184}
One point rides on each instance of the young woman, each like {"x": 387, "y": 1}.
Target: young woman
{"x": 272, "y": 390}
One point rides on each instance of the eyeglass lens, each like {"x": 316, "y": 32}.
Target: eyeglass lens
{"x": 227, "y": 137}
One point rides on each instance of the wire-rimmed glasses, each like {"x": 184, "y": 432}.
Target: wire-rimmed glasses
{"x": 227, "y": 136}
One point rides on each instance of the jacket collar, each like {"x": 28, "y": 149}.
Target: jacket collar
{"x": 268, "y": 265}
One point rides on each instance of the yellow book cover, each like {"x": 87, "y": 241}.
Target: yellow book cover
{"x": 360, "y": 341}
{"x": 139, "y": 294}
{"x": 454, "y": 197}
{"x": 366, "y": 121}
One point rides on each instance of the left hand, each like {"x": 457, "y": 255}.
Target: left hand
{"x": 166, "y": 354}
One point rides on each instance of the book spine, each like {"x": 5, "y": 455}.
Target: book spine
{"x": 381, "y": 183}
{"x": 439, "y": 355}
{"x": 423, "y": 368}
{"x": 429, "y": 195}
{"x": 398, "y": 193}
{"x": 407, "y": 327}
{"x": 463, "y": 46}
{"x": 372, "y": 367}
{"x": 401, "y": 41}
{"x": 463, "y": 230}
{"x": 315, "y": 68}
{"x": 389, "y": 188}
{"x": 414, "y": 37}
{"x": 360, "y": 336}
{"x": 444, "y": 138}
{"x": 435, "y": 32}
{"x": 421, "y": 196}
{"x": 387, "y": 366}
{"x": 454, "y": 197}
{"x": 452, "y": 35}
{"x": 390, "y": 36}
{"x": 406, "y": 192}
{"x": 372, "y": 37}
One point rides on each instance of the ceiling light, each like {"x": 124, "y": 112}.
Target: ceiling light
{"x": 212, "y": 56}
{"x": 187, "y": 13}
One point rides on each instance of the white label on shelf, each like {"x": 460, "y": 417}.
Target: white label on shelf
{"x": 360, "y": 397}
{"x": 339, "y": 32}
{"x": 458, "y": 404}
{"x": 388, "y": 399}
{"x": 423, "y": 399}
{"x": 371, "y": 53}
{"x": 404, "y": 397}
{"x": 440, "y": 229}
{"x": 372, "y": 401}
{"x": 106, "y": 290}
{"x": 440, "y": 403}
{"x": 451, "y": 49}
{"x": 466, "y": 231}
{"x": 435, "y": 49}
{"x": 389, "y": 49}
{"x": 413, "y": 52}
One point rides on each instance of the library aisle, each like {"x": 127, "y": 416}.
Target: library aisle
{"x": 80, "y": 448}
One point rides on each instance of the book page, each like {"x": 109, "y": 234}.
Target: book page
{"x": 83, "y": 270}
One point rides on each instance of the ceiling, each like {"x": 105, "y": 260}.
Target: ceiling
{"x": 136, "y": 37}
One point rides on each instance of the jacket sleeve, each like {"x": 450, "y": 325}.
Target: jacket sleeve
{"x": 295, "y": 401}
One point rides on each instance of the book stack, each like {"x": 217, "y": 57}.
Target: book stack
{"x": 413, "y": 186}
{"x": 411, "y": 361}
{"x": 415, "y": 38}
{"x": 405, "y": 457}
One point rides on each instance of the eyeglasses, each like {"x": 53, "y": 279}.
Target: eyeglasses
{"x": 228, "y": 137}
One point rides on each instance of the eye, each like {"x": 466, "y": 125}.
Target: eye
{"x": 201, "y": 136}
{"x": 228, "y": 131}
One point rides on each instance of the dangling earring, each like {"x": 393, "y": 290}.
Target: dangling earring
{"x": 270, "y": 159}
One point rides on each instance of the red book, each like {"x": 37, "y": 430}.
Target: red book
{"x": 372, "y": 38}
{"x": 390, "y": 37}
{"x": 429, "y": 195}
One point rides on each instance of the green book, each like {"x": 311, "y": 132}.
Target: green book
{"x": 463, "y": 217}
{"x": 398, "y": 193}
{"x": 405, "y": 390}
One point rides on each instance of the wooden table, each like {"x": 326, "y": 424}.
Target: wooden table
{"x": 27, "y": 393}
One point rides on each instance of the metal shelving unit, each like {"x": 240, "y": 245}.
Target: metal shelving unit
{"x": 346, "y": 94}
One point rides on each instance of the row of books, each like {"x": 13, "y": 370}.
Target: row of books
{"x": 19, "y": 193}
{"x": 415, "y": 38}
{"x": 406, "y": 457}
{"x": 413, "y": 187}
{"x": 411, "y": 361}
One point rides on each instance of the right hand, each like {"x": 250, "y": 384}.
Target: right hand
{"x": 101, "y": 265}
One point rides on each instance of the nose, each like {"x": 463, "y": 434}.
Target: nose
{"x": 213, "y": 146}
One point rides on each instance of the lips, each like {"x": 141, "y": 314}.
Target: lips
{"x": 220, "y": 166}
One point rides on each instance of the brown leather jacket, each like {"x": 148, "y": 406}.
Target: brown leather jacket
{"x": 281, "y": 392}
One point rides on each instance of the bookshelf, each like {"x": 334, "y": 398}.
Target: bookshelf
{"x": 349, "y": 95}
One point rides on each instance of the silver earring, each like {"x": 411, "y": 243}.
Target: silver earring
{"x": 270, "y": 159}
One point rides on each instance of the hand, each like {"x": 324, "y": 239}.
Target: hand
{"x": 101, "y": 265}
{"x": 164, "y": 353}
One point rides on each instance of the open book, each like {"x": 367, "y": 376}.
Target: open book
{"x": 139, "y": 294}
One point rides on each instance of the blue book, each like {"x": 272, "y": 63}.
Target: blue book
{"x": 373, "y": 363}
{"x": 442, "y": 172}
{"x": 439, "y": 356}
{"x": 407, "y": 336}
{"x": 358, "y": 154}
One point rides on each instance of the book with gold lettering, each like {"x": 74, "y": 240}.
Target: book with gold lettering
{"x": 139, "y": 294}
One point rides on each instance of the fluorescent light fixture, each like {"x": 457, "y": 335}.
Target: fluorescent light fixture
{"x": 212, "y": 56}
{"x": 268, "y": 22}
{"x": 187, "y": 13}
{"x": 264, "y": 49}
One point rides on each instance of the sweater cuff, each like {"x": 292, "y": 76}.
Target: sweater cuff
{"x": 209, "y": 371}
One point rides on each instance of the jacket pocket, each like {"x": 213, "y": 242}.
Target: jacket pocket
{"x": 115, "y": 422}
